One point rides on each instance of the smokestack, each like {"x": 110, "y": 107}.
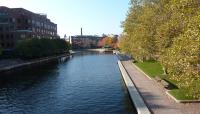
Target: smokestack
{"x": 81, "y": 32}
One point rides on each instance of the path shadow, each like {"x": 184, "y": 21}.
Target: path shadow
{"x": 123, "y": 57}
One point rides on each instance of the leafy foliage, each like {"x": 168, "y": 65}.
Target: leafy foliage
{"x": 35, "y": 48}
{"x": 167, "y": 31}
{"x": 108, "y": 42}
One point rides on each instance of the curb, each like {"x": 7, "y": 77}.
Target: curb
{"x": 181, "y": 101}
{"x": 133, "y": 92}
{"x": 141, "y": 70}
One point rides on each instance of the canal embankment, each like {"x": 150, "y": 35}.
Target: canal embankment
{"x": 134, "y": 94}
{"x": 15, "y": 64}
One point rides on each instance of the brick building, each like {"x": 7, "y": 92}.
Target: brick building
{"x": 18, "y": 23}
{"x": 84, "y": 41}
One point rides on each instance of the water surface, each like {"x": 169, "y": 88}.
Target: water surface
{"x": 84, "y": 84}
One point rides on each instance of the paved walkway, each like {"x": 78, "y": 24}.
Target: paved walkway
{"x": 155, "y": 97}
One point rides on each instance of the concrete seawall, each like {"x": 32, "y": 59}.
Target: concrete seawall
{"x": 31, "y": 63}
{"x": 134, "y": 94}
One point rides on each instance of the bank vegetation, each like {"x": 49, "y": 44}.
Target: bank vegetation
{"x": 37, "y": 48}
{"x": 167, "y": 31}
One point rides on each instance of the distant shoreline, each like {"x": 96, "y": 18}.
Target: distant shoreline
{"x": 17, "y": 64}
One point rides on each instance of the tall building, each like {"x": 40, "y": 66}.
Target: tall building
{"x": 18, "y": 23}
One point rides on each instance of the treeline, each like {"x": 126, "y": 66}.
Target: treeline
{"x": 167, "y": 31}
{"x": 36, "y": 48}
{"x": 108, "y": 42}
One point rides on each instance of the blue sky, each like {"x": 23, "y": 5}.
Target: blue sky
{"x": 94, "y": 16}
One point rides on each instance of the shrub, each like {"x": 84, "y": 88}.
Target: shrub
{"x": 36, "y": 48}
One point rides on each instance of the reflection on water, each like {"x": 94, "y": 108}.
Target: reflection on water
{"x": 85, "y": 84}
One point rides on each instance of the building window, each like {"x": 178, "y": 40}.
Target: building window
{"x": 29, "y": 21}
{"x": 7, "y": 29}
{"x": 11, "y": 44}
{"x": 13, "y": 19}
{"x": 11, "y": 36}
{"x": 2, "y": 44}
{"x": 18, "y": 20}
{"x": 2, "y": 38}
{"x": 22, "y": 35}
{"x": 26, "y": 21}
{"x": 7, "y": 36}
{"x": 37, "y": 23}
{"x": 7, "y": 45}
{"x": 11, "y": 27}
{"x": 3, "y": 20}
{"x": 10, "y": 20}
{"x": 33, "y": 22}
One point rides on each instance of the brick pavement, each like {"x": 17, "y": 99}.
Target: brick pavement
{"x": 154, "y": 95}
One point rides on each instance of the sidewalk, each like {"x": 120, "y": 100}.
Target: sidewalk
{"x": 155, "y": 97}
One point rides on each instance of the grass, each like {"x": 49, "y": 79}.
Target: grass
{"x": 180, "y": 94}
{"x": 153, "y": 69}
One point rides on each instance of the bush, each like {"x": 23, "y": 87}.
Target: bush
{"x": 36, "y": 48}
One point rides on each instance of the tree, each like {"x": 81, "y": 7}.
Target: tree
{"x": 35, "y": 48}
{"x": 108, "y": 42}
{"x": 167, "y": 31}
{"x": 182, "y": 59}
{"x": 140, "y": 26}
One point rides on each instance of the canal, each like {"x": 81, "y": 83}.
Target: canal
{"x": 85, "y": 84}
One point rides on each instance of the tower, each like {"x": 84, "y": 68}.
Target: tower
{"x": 81, "y": 32}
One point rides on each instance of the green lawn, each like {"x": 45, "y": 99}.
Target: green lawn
{"x": 153, "y": 69}
{"x": 180, "y": 94}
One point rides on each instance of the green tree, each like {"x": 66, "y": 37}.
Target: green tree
{"x": 168, "y": 31}
{"x": 35, "y": 48}
{"x": 140, "y": 26}
{"x": 182, "y": 59}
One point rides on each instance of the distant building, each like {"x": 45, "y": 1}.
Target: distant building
{"x": 18, "y": 23}
{"x": 84, "y": 41}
